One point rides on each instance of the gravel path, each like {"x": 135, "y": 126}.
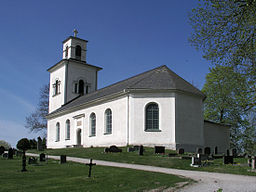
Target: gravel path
{"x": 207, "y": 181}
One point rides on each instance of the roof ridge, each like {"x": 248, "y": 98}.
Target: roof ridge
{"x": 150, "y": 73}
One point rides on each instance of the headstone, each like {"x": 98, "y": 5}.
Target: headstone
{"x": 130, "y": 149}
{"x": 32, "y": 160}
{"x": 141, "y": 150}
{"x": 181, "y": 151}
{"x": 42, "y": 157}
{"x": 249, "y": 162}
{"x": 2, "y": 149}
{"x": 207, "y": 150}
{"x": 234, "y": 153}
{"x": 114, "y": 149}
{"x": 228, "y": 160}
{"x": 199, "y": 150}
{"x": 5, "y": 155}
{"x": 253, "y": 162}
{"x": 228, "y": 153}
{"x": 216, "y": 150}
{"x": 63, "y": 159}
{"x": 39, "y": 144}
{"x": 196, "y": 162}
{"x": 159, "y": 149}
{"x": 136, "y": 147}
{"x": 203, "y": 157}
{"x": 106, "y": 150}
{"x": 90, "y": 167}
{"x": 10, "y": 153}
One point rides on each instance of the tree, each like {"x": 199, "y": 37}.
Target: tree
{"x": 226, "y": 32}
{"x": 227, "y": 102}
{"x": 36, "y": 121}
{"x": 23, "y": 145}
{"x": 5, "y": 144}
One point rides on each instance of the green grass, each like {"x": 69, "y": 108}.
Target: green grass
{"x": 52, "y": 176}
{"x": 149, "y": 158}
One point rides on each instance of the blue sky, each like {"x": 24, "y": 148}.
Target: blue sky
{"x": 126, "y": 37}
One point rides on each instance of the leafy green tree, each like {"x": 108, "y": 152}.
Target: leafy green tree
{"x": 36, "y": 121}
{"x": 5, "y": 144}
{"x": 226, "y": 33}
{"x": 228, "y": 101}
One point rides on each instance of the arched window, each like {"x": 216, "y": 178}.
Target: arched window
{"x": 78, "y": 52}
{"x": 93, "y": 124}
{"x": 66, "y": 52}
{"x": 58, "y": 131}
{"x": 108, "y": 121}
{"x": 68, "y": 129}
{"x": 152, "y": 117}
{"x": 81, "y": 87}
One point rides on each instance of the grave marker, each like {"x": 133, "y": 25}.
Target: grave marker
{"x": 90, "y": 167}
{"x": 159, "y": 149}
{"x": 63, "y": 159}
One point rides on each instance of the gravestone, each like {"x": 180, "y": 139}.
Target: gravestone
{"x": 136, "y": 147}
{"x": 2, "y": 149}
{"x": 203, "y": 157}
{"x": 228, "y": 153}
{"x": 228, "y": 160}
{"x": 234, "y": 153}
{"x": 90, "y": 167}
{"x": 207, "y": 150}
{"x": 42, "y": 157}
{"x": 10, "y": 153}
{"x": 216, "y": 150}
{"x": 130, "y": 149}
{"x": 141, "y": 150}
{"x": 32, "y": 160}
{"x": 39, "y": 144}
{"x": 114, "y": 149}
{"x": 181, "y": 151}
{"x": 5, "y": 155}
{"x": 253, "y": 162}
{"x": 106, "y": 150}
{"x": 199, "y": 150}
{"x": 196, "y": 162}
{"x": 249, "y": 162}
{"x": 159, "y": 149}
{"x": 63, "y": 159}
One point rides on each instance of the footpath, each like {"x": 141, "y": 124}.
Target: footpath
{"x": 206, "y": 181}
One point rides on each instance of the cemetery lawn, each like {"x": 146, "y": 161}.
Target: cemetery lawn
{"x": 149, "y": 158}
{"x": 52, "y": 176}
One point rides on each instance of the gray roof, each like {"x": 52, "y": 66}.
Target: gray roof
{"x": 160, "y": 78}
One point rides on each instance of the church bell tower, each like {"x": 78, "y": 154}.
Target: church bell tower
{"x": 72, "y": 76}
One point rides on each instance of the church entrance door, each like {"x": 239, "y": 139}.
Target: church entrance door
{"x": 78, "y": 137}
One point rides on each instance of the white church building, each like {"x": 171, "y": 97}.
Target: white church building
{"x": 154, "y": 108}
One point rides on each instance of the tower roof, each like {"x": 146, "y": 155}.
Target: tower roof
{"x": 158, "y": 79}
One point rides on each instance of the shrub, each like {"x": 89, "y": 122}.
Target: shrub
{"x": 5, "y": 144}
{"x": 23, "y": 144}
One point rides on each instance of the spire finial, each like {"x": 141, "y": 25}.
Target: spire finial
{"x": 75, "y": 32}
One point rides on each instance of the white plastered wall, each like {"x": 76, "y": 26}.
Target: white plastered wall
{"x": 216, "y": 135}
{"x": 189, "y": 122}
{"x": 55, "y": 101}
{"x": 138, "y": 135}
{"x": 119, "y": 123}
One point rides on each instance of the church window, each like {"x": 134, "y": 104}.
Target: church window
{"x": 78, "y": 52}
{"x": 108, "y": 121}
{"x": 81, "y": 87}
{"x": 68, "y": 129}
{"x": 93, "y": 124}
{"x": 75, "y": 88}
{"x": 58, "y": 131}
{"x": 152, "y": 117}
{"x": 56, "y": 87}
{"x": 66, "y": 52}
